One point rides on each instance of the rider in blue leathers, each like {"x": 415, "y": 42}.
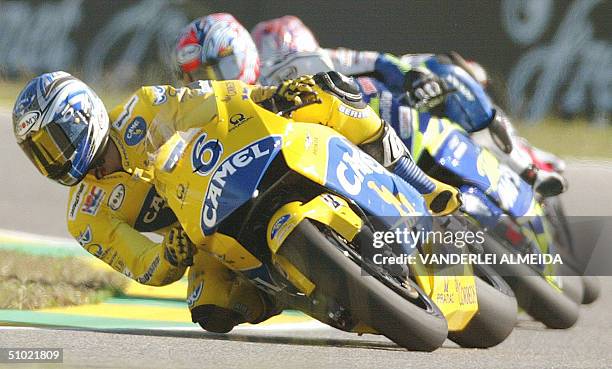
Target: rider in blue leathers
{"x": 445, "y": 85}
{"x": 218, "y": 47}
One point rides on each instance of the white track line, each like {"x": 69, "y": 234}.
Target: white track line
{"x": 302, "y": 326}
{"x": 26, "y": 236}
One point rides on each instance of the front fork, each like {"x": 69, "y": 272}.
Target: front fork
{"x": 327, "y": 209}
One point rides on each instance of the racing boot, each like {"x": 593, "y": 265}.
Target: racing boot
{"x": 389, "y": 150}
{"x": 547, "y": 184}
{"x": 219, "y": 299}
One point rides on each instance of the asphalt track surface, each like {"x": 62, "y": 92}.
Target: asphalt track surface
{"x": 32, "y": 204}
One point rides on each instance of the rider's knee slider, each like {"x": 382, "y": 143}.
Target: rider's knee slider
{"x": 386, "y": 148}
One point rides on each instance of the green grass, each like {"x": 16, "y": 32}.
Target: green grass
{"x": 570, "y": 138}
{"x": 35, "y": 282}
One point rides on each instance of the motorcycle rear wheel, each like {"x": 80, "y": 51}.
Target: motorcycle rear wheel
{"x": 413, "y": 324}
{"x": 534, "y": 293}
{"x": 496, "y": 316}
{"x": 592, "y": 289}
{"x": 563, "y": 235}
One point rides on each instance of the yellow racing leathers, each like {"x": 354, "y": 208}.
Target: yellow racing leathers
{"x": 108, "y": 216}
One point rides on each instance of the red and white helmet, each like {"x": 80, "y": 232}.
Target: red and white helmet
{"x": 217, "y": 47}
{"x": 288, "y": 49}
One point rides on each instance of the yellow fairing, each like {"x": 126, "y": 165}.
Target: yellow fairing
{"x": 240, "y": 122}
{"x": 327, "y": 209}
{"x": 230, "y": 252}
{"x": 455, "y": 295}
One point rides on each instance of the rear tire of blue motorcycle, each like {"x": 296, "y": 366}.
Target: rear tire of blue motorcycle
{"x": 545, "y": 304}
{"x": 369, "y": 300}
{"x": 592, "y": 289}
{"x": 534, "y": 293}
{"x": 572, "y": 284}
{"x": 495, "y": 318}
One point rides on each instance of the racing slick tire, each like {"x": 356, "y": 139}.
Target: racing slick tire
{"x": 324, "y": 258}
{"x": 496, "y": 315}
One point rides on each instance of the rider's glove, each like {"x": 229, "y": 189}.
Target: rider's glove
{"x": 295, "y": 92}
{"x": 178, "y": 248}
{"x": 424, "y": 90}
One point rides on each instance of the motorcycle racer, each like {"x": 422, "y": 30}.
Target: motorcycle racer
{"x": 66, "y": 132}
{"x": 64, "y": 128}
{"x": 217, "y": 47}
{"x": 277, "y": 38}
{"x": 287, "y": 47}
{"x": 539, "y": 168}
{"x": 200, "y": 41}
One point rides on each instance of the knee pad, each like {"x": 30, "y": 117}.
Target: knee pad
{"x": 216, "y": 319}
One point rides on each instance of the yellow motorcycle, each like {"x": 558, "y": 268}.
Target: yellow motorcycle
{"x": 290, "y": 206}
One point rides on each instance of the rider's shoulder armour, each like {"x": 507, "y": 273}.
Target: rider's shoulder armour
{"x": 345, "y": 88}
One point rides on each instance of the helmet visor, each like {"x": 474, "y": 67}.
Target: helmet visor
{"x": 52, "y": 150}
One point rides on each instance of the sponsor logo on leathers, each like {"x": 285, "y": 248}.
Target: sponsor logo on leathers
{"x": 75, "y": 202}
{"x": 115, "y": 199}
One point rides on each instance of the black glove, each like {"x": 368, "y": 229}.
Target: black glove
{"x": 424, "y": 90}
{"x": 179, "y": 249}
{"x": 294, "y": 93}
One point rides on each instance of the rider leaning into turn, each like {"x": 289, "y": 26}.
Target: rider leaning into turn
{"x": 286, "y": 47}
{"x": 66, "y": 132}
{"x": 217, "y": 47}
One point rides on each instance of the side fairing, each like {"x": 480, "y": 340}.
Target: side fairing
{"x": 320, "y": 154}
{"x": 378, "y": 192}
{"x": 478, "y": 167}
{"x": 235, "y": 180}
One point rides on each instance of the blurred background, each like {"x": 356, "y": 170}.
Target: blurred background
{"x": 545, "y": 57}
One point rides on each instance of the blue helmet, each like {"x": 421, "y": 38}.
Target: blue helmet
{"x": 61, "y": 125}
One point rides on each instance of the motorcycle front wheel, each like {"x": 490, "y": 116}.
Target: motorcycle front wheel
{"x": 375, "y": 300}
